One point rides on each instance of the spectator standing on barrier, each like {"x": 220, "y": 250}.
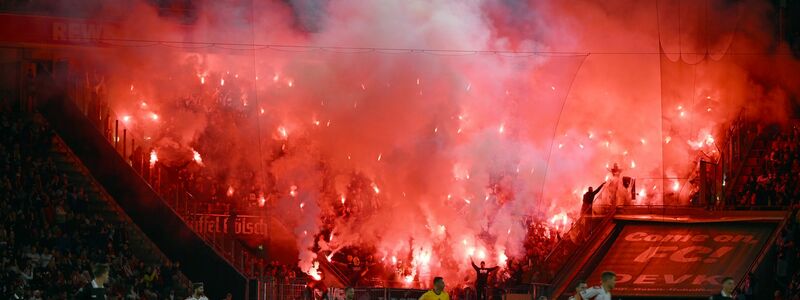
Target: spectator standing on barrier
{"x": 588, "y": 199}
{"x": 727, "y": 290}
{"x": 482, "y": 279}
{"x": 198, "y": 292}
{"x": 437, "y": 293}
{"x": 602, "y": 292}
{"x": 578, "y": 290}
{"x": 95, "y": 289}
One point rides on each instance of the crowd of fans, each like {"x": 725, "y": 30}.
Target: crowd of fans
{"x": 775, "y": 181}
{"x": 49, "y": 238}
{"x": 786, "y": 269}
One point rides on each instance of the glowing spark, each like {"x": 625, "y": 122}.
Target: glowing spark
{"x": 293, "y": 191}
{"x": 153, "y": 158}
{"x": 202, "y": 80}
{"x": 680, "y": 107}
{"x": 580, "y": 145}
{"x": 302, "y": 204}
{"x": 676, "y": 186}
{"x": 502, "y": 128}
{"x": 343, "y": 199}
{"x": 481, "y": 254}
{"x": 464, "y": 242}
{"x": 417, "y": 81}
{"x": 682, "y": 114}
{"x": 469, "y": 86}
{"x": 375, "y": 188}
{"x": 313, "y": 272}
{"x": 379, "y": 156}
{"x": 256, "y": 77}
{"x": 560, "y": 146}
{"x": 222, "y": 82}
{"x": 196, "y": 157}
{"x": 283, "y": 132}
{"x": 144, "y": 104}
{"x": 607, "y": 144}
{"x": 409, "y": 278}
{"x": 591, "y": 135}
{"x": 394, "y": 260}
{"x": 642, "y": 193}
{"x": 667, "y": 139}
{"x": 442, "y": 229}
{"x": 230, "y": 191}
{"x": 131, "y": 88}
{"x": 459, "y": 130}
{"x": 633, "y": 165}
{"x": 606, "y": 178}
{"x": 502, "y": 258}
{"x": 290, "y": 83}
{"x": 553, "y": 88}
{"x": 709, "y": 109}
{"x": 435, "y": 130}
{"x": 126, "y": 119}
{"x": 363, "y": 87}
{"x": 708, "y": 97}
{"x": 305, "y": 232}
{"x": 328, "y": 124}
{"x": 154, "y": 116}
{"x": 467, "y": 201}
{"x": 643, "y": 141}
{"x": 261, "y": 201}
{"x": 262, "y": 111}
{"x": 236, "y": 76}
{"x": 709, "y": 140}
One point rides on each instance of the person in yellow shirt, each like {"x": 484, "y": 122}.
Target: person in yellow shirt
{"x": 437, "y": 293}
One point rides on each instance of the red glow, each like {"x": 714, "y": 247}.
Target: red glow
{"x": 153, "y": 158}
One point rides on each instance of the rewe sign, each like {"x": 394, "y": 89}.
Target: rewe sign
{"x": 670, "y": 259}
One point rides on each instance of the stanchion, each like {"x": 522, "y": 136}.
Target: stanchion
{"x": 124, "y": 144}
{"x": 116, "y": 135}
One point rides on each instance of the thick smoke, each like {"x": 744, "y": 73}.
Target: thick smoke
{"x": 441, "y": 156}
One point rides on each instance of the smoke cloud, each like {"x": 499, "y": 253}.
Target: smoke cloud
{"x": 434, "y": 157}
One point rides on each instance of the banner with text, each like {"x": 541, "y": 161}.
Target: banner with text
{"x": 242, "y": 225}
{"x": 681, "y": 259}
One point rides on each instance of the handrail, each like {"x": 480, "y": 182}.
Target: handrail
{"x": 111, "y": 133}
{"x": 576, "y": 246}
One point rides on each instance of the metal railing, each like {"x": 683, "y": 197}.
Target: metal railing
{"x": 116, "y": 131}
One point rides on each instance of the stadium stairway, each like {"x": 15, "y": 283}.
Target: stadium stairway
{"x": 200, "y": 260}
{"x": 578, "y": 248}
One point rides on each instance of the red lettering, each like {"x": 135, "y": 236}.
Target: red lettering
{"x": 723, "y": 238}
{"x": 622, "y": 278}
{"x": 713, "y": 280}
{"x": 670, "y": 279}
{"x": 680, "y": 255}
{"x": 248, "y": 228}
{"x": 652, "y": 252}
{"x": 699, "y": 238}
{"x": 646, "y": 279}
{"x": 635, "y": 237}
{"x": 653, "y": 238}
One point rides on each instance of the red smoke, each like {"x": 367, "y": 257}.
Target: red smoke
{"x": 438, "y": 147}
